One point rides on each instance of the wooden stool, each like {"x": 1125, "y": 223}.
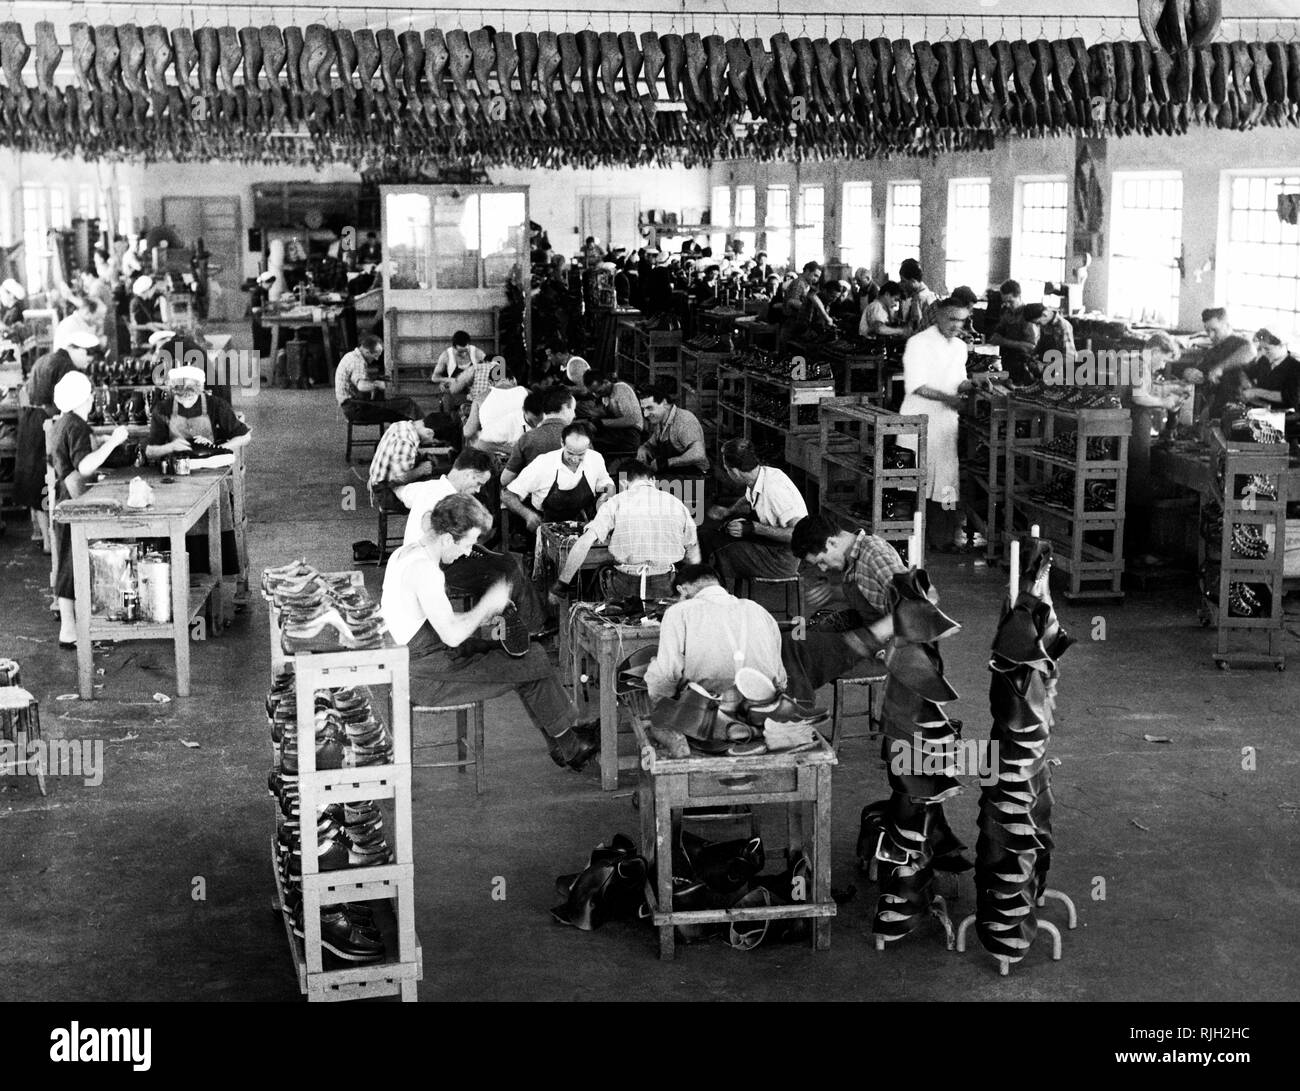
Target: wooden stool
{"x": 362, "y": 441}
{"x": 469, "y": 745}
{"x": 20, "y": 725}
{"x": 745, "y": 586}
{"x": 839, "y": 700}
{"x": 388, "y": 504}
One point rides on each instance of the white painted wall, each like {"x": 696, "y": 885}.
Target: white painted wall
{"x": 555, "y": 196}
{"x": 1203, "y": 157}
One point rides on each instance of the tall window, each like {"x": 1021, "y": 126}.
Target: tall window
{"x": 746, "y": 221}
{"x": 968, "y": 234}
{"x": 36, "y": 221}
{"x": 1146, "y": 232}
{"x": 720, "y": 218}
{"x": 902, "y": 226}
{"x": 855, "y": 225}
{"x": 1259, "y": 272}
{"x": 1042, "y": 208}
{"x": 810, "y": 234}
{"x": 776, "y": 222}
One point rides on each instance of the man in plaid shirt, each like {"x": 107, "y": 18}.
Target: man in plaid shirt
{"x": 869, "y": 564}
{"x": 649, "y": 531}
{"x": 396, "y": 461}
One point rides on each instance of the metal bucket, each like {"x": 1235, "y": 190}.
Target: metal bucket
{"x": 111, "y": 576}
{"x": 156, "y": 587}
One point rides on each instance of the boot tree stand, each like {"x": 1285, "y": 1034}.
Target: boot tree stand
{"x": 1014, "y": 851}
{"x": 481, "y": 98}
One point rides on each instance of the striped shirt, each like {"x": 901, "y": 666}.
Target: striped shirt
{"x": 645, "y": 525}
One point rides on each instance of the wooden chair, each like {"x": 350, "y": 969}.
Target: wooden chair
{"x": 363, "y": 441}
{"x": 20, "y": 724}
{"x": 386, "y": 503}
{"x": 839, "y": 702}
{"x": 746, "y": 586}
{"x": 469, "y": 742}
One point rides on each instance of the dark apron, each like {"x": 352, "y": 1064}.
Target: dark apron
{"x": 189, "y": 428}
{"x": 196, "y": 542}
{"x": 29, "y": 457}
{"x": 577, "y": 504}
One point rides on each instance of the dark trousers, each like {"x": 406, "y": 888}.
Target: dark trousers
{"x": 818, "y": 659}
{"x": 474, "y": 574}
{"x": 735, "y": 557}
{"x": 621, "y": 585}
{"x": 383, "y": 411}
{"x": 439, "y": 678}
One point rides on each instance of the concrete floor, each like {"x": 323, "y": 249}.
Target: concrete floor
{"x": 1183, "y": 865}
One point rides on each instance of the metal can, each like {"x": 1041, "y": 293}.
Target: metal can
{"x": 182, "y": 466}
{"x": 130, "y": 604}
{"x": 155, "y": 575}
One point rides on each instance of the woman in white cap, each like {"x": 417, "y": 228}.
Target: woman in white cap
{"x": 36, "y": 400}
{"x": 86, "y": 317}
{"x": 145, "y": 309}
{"x": 12, "y": 295}
{"x": 187, "y": 417}
{"x": 74, "y": 456}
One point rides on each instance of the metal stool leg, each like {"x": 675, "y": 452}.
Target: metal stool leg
{"x": 348, "y": 454}
{"x": 462, "y": 739}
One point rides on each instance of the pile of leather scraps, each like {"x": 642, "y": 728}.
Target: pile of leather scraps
{"x": 380, "y": 98}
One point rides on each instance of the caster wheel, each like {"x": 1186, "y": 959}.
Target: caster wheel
{"x": 1279, "y": 666}
{"x": 1223, "y": 665}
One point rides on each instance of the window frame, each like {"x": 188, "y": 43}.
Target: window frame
{"x": 811, "y": 236}
{"x": 1226, "y": 273}
{"x": 1114, "y": 303}
{"x": 1032, "y": 288}
{"x": 891, "y": 254}
{"x": 950, "y": 281}
{"x": 848, "y": 251}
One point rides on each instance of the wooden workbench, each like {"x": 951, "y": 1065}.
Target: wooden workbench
{"x": 178, "y": 505}
{"x": 800, "y": 780}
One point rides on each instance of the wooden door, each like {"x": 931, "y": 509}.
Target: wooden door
{"x": 217, "y": 221}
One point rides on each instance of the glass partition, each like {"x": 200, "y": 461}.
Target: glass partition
{"x": 407, "y": 241}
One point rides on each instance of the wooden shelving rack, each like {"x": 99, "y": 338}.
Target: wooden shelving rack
{"x": 657, "y": 356}
{"x": 699, "y": 389}
{"x": 1240, "y": 462}
{"x": 858, "y": 369}
{"x": 1095, "y": 572}
{"x": 982, "y": 452}
{"x": 390, "y": 887}
{"x": 855, "y": 437}
{"x": 739, "y": 390}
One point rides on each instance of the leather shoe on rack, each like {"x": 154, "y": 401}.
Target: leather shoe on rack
{"x": 341, "y": 937}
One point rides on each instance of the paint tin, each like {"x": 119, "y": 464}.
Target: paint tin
{"x": 156, "y": 587}
{"x": 182, "y": 466}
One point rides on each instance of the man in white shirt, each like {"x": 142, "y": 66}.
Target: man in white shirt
{"x": 560, "y": 486}
{"x": 449, "y": 663}
{"x": 710, "y": 635}
{"x": 758, "y": 545}
{"x": 497, "y": 419}
{"x": 454, "y": 370}
{"x": 934, "y": 378}
{"x": 879, "y": 316}
{"x": 649, "y": 531}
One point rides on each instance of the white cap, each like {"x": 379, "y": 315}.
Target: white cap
{"x": 187, "y": 374}
{"x": 1052, "y": 302}
{"x": 161, "y": 337}
{"x": 141, "y": 284}
{"x": 14, "y": 288}
{"x": 82, "y": 339}
{"x": 71, "y": 391}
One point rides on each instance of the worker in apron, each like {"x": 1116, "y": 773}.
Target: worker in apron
{"x": 188, "y": 420}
